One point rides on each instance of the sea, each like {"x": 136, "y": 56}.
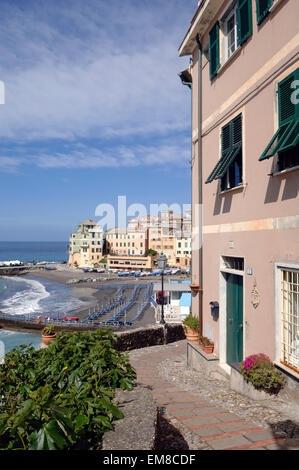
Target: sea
{"x": 34, "y": 251}
{"x": 11, "y": 339}
{"x": 32, "y": 296}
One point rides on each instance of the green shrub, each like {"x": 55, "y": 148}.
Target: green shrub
{"x": 191, "y": 322}
{"x": 261, "y": 372}
{"x": 62, "y": 397}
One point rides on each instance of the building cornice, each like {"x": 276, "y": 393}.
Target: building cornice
{"x": 204, "y": 14}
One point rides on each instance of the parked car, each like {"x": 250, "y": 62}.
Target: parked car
{"x": 169, "y": 271}
{"x": 176, "y": 271}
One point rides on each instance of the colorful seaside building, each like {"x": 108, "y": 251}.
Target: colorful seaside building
{"x": 130, "y": 263}
{"x": 86, "y": 245}
{"x": 183, "y": 251}
{"x": 127, "y": 242}
{"x": 244, "y": 80}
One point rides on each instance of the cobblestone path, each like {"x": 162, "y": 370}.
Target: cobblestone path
{"x": 204, "y": 424}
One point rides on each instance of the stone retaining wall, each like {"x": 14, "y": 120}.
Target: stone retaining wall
{"x": 128, "y": 339}
{"x": 149, "y": 336}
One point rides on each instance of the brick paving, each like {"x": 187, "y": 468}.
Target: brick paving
{"x": 208, "y": 426}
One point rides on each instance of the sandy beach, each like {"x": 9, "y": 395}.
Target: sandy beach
{"x": 95, "y": 299}
{"x": 63, "y": 273}
{"x": 88, "y": 291}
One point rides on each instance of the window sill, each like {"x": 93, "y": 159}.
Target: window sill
{"x": 275, "y": 5}
{"x": 289, "y": 370}
{"x": 286, "y": 171}
{"x": 229, "y": 60}
{"x": 240, "y": 187}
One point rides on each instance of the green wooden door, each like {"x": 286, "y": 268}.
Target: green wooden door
{"x": 234, "y": 316}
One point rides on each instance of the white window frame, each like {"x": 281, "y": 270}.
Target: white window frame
{"x": 279, "y": 268}
{"x": 232, "y": 14}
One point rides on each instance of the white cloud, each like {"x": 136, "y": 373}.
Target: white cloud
{"x": 123, "y": 156}
{"x": 89, "y": 69}
{"x": 10, "y": 164}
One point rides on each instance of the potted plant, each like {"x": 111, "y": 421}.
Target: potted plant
{"x": 206, "y": 344}
{"x": 191, "y": 328}
{"x": 259, "y": 370}
{"x": 48, "y": 334}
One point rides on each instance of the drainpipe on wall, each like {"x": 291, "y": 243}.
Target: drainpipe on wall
{"x": 200, "y": 237}
{"x": 186, "y": 79}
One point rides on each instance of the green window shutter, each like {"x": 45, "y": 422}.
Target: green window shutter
{"x": 231, "y": 134}
{"x": 262, "y": 9}
{"x": 287, "y": 109}
{"x": 287, "y": 135}
{"x": 226, "y": 138}
{"x": 214, "y": 50}
{"x": 231, "y": 145}
{"x": 292, "y": 139}
{"x": 217, "y": 168}
{"x": 237, "y": 130}
{"x": 244, "y": 10}
{"x": 230, "y": 157}
{"x": 276, "y": 141}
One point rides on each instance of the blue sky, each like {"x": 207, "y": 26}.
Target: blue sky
{"x": 94, "y": 108}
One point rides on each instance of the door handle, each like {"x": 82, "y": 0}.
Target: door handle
{"x": 240, "y": 326}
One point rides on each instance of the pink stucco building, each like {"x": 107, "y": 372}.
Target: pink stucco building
{"x": 244, "y": 79}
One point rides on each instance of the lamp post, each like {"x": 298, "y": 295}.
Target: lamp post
{"x": 162, "y": 260}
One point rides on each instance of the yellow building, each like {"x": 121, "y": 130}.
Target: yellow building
{"x": 86, "y": 245}
{"x": 183, "y": 252}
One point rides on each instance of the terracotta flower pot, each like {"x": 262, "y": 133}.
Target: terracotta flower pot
{"x": 207, "y": 348}
{"x": 191, "y": 334}
{"x": 48, "y": 339}
{"x": 194, "y": 288}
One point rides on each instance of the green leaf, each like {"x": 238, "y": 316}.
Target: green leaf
{"x": 47, "y": 438}
{"x": 31, "y": 373}
{"x": 81, "y": 420}
{"x": 126, "y": 383}
{"x": 110, "y": 407}
{"x": 23, "y": 412}
{"x": 103, "y": 420}
{"x": 63, "y": 420}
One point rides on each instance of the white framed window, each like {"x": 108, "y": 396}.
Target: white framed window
{"x": 230, "y": 29}
{"x": 229, "y": 32}
{"x": 289, "y": 317}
